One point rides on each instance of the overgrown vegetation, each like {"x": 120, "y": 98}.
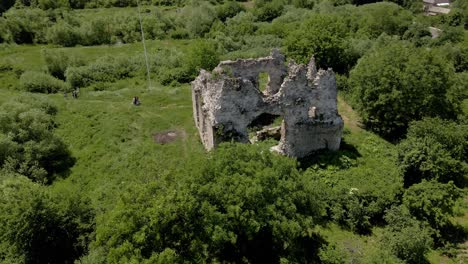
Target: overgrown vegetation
{"x": 82, "y": 180}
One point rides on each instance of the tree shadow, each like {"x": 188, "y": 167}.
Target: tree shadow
{"x": 344, "y": 158}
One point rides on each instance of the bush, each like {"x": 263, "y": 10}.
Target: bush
{"x": 228, "y": 9}
{"x": 322, "y": 36}
{"x": 40, "y": 226}
{"x": 197, "y": 18}
{"x": 38, "y": 82}
{"x": 62, "y": 33}
{"x": 269, "y": 10}
{"x": 57, "y": 62}
{"x": 202, "y": 55}
{"x": 406, "y": 237}
{"x": 106, "y": 69}
{"x": 433, "y": 203}
{"x": 27, "y": 143}
{"x": 26, "y": 25}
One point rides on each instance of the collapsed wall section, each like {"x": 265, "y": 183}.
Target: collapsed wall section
{"x": 228, "y": 99}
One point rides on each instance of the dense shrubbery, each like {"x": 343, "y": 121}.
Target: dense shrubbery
{"x": 435, "y": 150}
{"x": 39, "y": 82}
{"x": 106, "y": 69}
{"x": 432, "y": 202}
{"x": 398, "y": 83}
{"x": 246, "y": 204}
{"x": 41, "y": 226}
{"x": 57, "y": 62}
{"x": 27, "y": 143}
{"x": 406, "y": 237}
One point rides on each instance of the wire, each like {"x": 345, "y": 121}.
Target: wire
{"x": 144, "y": 46}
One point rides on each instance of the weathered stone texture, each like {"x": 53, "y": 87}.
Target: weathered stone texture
{"x": 227, "y": 100}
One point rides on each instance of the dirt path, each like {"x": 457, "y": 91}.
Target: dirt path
{"x": 350, "y": 117}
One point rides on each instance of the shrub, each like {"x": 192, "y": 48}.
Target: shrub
{"x": 197, "y": 19}
{"x": 97, "y": 31}
{"x": 406, "y": 237}
{"x": 62, "y": 33}
{"x": 269, "y": 10}
{"x": 38, "y": 82}
{"x": 202, "y": 55}
{"x": 323, "y": 37}
{"x": 41, "y": 226}
{"x": 228, "y": 9}
{"x": 27, "y": 143}
{"x": 57, "y": 62}
{"x": 106, "y": 69}
{"x": 433, "y": 203}
{"x": 26, "y": 25}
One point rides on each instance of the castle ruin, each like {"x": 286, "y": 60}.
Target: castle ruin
{"x": 228, "y": 100}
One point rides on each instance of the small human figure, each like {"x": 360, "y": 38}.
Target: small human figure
{"x": 136, "y": 100}
{"x": 74, "y": 94}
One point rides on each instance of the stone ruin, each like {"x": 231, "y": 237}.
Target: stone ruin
{"x": 228, "y": 100}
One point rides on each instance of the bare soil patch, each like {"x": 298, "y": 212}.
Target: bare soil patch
{"x": 168, "y": 136}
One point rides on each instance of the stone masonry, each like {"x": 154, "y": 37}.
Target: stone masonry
{"x": 227, "y": 100}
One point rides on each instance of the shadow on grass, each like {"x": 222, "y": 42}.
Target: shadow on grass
{"x": 344, "y": 158}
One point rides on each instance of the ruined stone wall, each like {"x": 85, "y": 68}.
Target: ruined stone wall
{"x": 228, "y": 99}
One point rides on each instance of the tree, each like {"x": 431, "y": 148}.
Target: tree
{"x": 244, "y": 204}
{"x": 434, "y": 149}
{"x": 432, "y": 202}
{"x": 228, "y": 10}
{"x": 406, "y": 237}
{"x": 27, "y": 143}
{"x": 397, "y": 83}
{"x": 202, "y": 55}
{"x": 322, "y": 36}
{"x": 40, "y": 226}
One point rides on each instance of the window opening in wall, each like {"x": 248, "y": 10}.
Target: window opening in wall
{"x": 265, "y": 127}
{"x": 263, "y": 79}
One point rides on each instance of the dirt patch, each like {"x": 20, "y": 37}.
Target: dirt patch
{"x": 168, "y": 136}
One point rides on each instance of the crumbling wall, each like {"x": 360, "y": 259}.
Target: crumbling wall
{"x": 228, "y": 99}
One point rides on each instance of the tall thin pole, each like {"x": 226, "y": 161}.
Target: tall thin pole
{"x": 144, "y": 46}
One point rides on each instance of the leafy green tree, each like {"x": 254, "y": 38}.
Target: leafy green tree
{"x": 197, "y": 18}
{"x": 202, "y": 55}
{"x": 432, "y": 202}
{"x": 228, "y": 9}
{"x": 322, "y": 36}
{"x": 397, "y": 83}
{"x": 26, "y": 25}
{"x": 62, "y": 33}
{"x": 27, "y": 142}
{"x": 434, "y": 150}
{"x": 389, "y": 18}
{"x": 244, "y": 204}
{"x": 267, "y": 11}
{"x": 40, "y": 226}
{"x": 57, "y": 62}
{"x": 406, "y": 237}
